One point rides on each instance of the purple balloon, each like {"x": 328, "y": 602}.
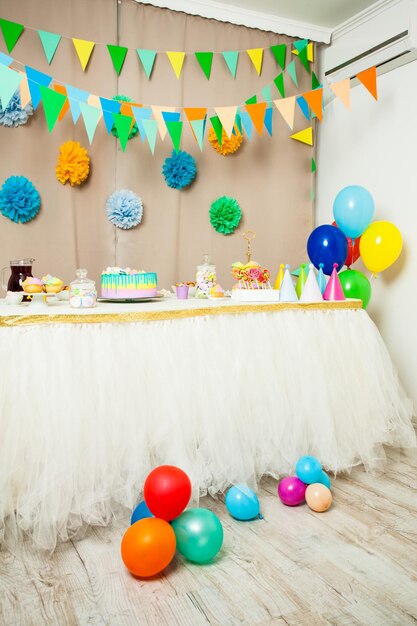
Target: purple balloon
{"x": 291, "y": 491}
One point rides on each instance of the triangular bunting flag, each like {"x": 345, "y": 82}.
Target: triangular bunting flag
{"x": 304, "y": 107}
{"x": 50, "y": 43}
{"x": 151, "y": 130}
{"x": 109, "y": 107}
{"x": 91, "y": 116}
{"x": 123, "y": 125}
{"x": 314, "y": 81}
{"x": 175, "y": 132}
{"x": 52, "y": 104}
{"x": 286, "y": 107}
{"x": 313, "y": 166}
{"x": 368, "y": 80}
{"x": 141, "y": 114}
{"x": 268, "y": 120}
{"x": 315, "y": 102}
{"x": 227, "y": 116}
{"x": 205, "y": 60}
{"x": 279, "y": 83}
{"x": 195, "y": 113}
{"x": 257, "y": 114}
{"x": 198, "y": 128}
{"x": 118, "y": 55}
{"x": 292, "y": 72}
{"x": 218, "y": 128}
{"x": 176, "y": 60}
{"x": 171, "y": 116}
{"x": 147, "y": 58}
{"x": 305, "y": 136}
{"x": 342, "y": 90}
{"x": 9, "y": 82}
{"x": 266, "y": 94}
{"x": 61, "y": 89}
{"x": 310, "y": 52}
{"x": 231, "y": 57}
{"x": 238, "y": 122}
{"x": 75, "y": 97}
{"x": 35, "y": 79}
{"x": 84, "y": 49}
{"x": 247, "y": 123}
{"x": 24, "y": 92}
{"x": 300, "y": 45}
{"x": 279, "y": 53}
{"x": 94, "y": 101}
{"x": 11, "y": 32}
{"x": 157, "y": 113}
{"x": 251, "y": 100}
{"x": 302, "y": 55}
{"x": 5, "y": 59}
{"x": 256, "y": 55}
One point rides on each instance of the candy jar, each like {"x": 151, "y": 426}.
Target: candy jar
{"x": 205, "y": 277}
{"x": 83, "y": 293}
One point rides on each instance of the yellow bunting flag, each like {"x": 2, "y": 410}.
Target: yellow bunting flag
{"x": 305, "y": 136}
{"x": 368, "y": 80}
{"x": 157, "y": 113}
{"x": 227, "y": 116}
{"x": 176, "y": 60}
{"x": 314, "y": 100}
{"x": 256, "y": 56}
{"x": 286, "y": 106}
{"x": 310, "y": 52}
{"x": 84, "y": 50}
{"x": 342, "y": 90}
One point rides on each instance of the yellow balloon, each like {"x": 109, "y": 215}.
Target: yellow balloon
{"x": 380, "y": 246}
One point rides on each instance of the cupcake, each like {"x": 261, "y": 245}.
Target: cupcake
{"x": 216, "y": 292}
{"x": 32, "y": 285}
{"x": 52, "y": 284}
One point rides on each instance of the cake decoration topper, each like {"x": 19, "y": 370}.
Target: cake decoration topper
{"x": 249, "y": 235}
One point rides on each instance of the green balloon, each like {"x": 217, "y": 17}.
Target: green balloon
{"x": 356, "y": 285}
{"x": 199, "y": 534}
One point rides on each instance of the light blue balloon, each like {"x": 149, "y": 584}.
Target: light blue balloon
{"x": 353, "y": 210}
{"x": 140, "y": 512}
{"x": 308, "y": 469}
{"x": 242, "y": 503}
{"x": 324, "y": 479}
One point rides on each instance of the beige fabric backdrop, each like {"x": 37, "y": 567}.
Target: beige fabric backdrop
{"x": 270, "y": 177}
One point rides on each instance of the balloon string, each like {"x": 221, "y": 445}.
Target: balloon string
{"x": 260, "y": 516}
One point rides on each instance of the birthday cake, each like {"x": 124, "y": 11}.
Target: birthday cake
{"x": 124, "y": 283}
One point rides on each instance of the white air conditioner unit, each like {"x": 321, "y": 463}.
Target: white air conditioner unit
{"x": 384, "y": 35}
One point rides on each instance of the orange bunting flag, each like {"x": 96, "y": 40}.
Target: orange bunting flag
{"x": 65, "y": 108}
{"x": 314, "y": 100}
{"x": 368, "y": 80}
{"x": 257, "y": 115}
{"x": 341, "y": 89}
{"x": 286, "y": 106}
{"x": 193, "y": 114}
{"x": 227, "y": 116}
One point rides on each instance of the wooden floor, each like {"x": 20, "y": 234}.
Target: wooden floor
{"x": 355, "y": 564}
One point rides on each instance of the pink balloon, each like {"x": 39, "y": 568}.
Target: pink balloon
{"x": 291, "y": 491}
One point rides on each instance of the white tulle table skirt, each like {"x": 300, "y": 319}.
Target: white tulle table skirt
{"x": 87, "y": 410}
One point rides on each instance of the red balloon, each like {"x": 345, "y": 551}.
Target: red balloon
{"x": 167, "y": 491}
{"x": 353, "y": 249}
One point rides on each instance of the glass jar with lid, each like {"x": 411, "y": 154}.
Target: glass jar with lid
{"x": 205, "y": 277}
{"x": 83, "y": 293}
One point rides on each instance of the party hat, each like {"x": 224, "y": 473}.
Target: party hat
{"x": 302, "y": 277}
{"x": 280, "y": 276}
{"x": 321, "y": 280}
{"x": 287, "y": 292}
{"x": 311, "y": 291}
{"x": 334, "y": 290}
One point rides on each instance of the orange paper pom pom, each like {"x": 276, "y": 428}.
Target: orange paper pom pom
{"x": 73, "y": 164}
{"x": 228, "y": 146}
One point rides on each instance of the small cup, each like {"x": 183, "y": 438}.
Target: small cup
{"x": 182, "y": 292}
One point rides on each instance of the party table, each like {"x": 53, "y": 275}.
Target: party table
{"x": 91, "y": 400}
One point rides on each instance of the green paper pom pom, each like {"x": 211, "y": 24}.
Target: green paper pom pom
{"x": 135, "y": 128}
{"x": 225, "y": 215}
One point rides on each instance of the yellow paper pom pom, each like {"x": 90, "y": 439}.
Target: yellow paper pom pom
{"x": 228, "y": 146}
{"x": 73, "y": 164}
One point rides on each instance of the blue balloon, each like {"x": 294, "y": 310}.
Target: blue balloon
{"x": 308, "y": 469}
{"x": 140, "y": 512}
{"x": 353, "y": 210}
{"x": 324, "y": 479}
{"x": 327, "y": 245}
{"x": 242, "y": 503}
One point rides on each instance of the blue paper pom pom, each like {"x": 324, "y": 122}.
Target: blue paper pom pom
{"x": 179, "y": 170}
{"x": 13, "y": 114}
{"x": 124, "y": 209}
{"x": 19, "y": 199}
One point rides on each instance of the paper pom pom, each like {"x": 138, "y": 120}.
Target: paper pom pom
{"x": 225, "y": 215}
{"x": 19, "y": 199}
{"x": 134, "y": 130}
{"x": 179, "y": 170}
{"x": 228, "y": 146}
{"x": 73, "y": 164}
{"x": 124, "y": 209}
{"x": 13, "y": 114}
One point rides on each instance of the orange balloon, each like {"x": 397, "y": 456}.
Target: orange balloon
{"x": 318, "y": 497}
{"x": 148, "y": 546}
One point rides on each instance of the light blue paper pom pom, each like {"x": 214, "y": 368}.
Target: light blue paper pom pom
{"x": 179, "y": 169}
{"x": 124, "y": 209}
{"x": 19, "y": 199}
{"x": 13, "y": 114}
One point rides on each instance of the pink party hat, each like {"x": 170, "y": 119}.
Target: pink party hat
{"x": 334, "y": 290}
{"x": 311, "y": 291}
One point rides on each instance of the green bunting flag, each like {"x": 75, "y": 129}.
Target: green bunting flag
{"x": 314, "y": 81}
{"x": 300, "y": 45}
{"x": 218, "y": 128}
{"x": 313, "y": 166}
{"x": 50, "y": 43}
{"x": 151, "y": 131}
{"x": 279, "y": 83}
{"x": 252, "y": 100}
{"x": 279, "y": 53}
{"x": 91, "y": 116}
{"x": 123, "y": 125}
{"x": 199, "y": 126}
{"x": 9, "y": 82}
{"x": 175, "y": 132}
{"x": 302, "y": 55}
{"x": 147, "y": 58}
{"x": 52, "y": 101}
{"x": 118, "y": 55}
{"x": 292, "y": 72}
{"x": 11, "y": 32}
{"x": 231, "y": 57}
{"x": 205, "y": 59}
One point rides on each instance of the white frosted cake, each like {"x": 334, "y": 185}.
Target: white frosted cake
{"x": 124, "y": 283}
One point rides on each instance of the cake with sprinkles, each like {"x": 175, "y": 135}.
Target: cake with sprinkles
{"x": 124, "y": 283}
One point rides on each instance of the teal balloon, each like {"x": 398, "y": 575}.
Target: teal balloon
{"x": 353, "y": 210}
{"x": 308, "y": 469}
{"x": 324, "y": 479}
{"x": 242, "y": 503}
{"x": 356, "y": 285}
{"x": 199, "y": 534}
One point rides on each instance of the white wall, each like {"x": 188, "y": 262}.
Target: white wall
{"x": 375, "y": 145}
